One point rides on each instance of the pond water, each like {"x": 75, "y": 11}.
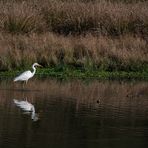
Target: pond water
{"x": 74, "y": 114}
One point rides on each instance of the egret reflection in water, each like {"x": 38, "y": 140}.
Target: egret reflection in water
{"x": 27, "y": 107}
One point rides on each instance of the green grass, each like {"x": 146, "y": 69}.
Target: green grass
{"x": 67, "y": 72}
{"x": 96, "y": 74}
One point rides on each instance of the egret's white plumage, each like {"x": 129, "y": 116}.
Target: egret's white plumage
{"x": 27, "y": 107}
{"x": 27, "y": 74}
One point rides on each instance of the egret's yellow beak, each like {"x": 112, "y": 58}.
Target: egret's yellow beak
{"x": 39, "y": 65}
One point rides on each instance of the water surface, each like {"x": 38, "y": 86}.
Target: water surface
{"x": 75, "y": 114}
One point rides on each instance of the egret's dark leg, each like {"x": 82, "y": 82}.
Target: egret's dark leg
{"x": 26, "y": 81}
{"x": 23, "y": 84}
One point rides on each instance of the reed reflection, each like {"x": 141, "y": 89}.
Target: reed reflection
{"x": 75, "y": 114}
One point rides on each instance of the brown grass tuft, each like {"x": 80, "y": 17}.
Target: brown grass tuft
{"x": 20, "y": 18}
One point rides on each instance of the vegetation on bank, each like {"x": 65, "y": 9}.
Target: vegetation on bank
{"x": 91, "y": 36}
{"x": 125, "y": 53}
{"x": 65, "y": 72}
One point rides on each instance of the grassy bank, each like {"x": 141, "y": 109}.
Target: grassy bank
{"x": 90, "y": 36}
{"x": 67, "y": 72}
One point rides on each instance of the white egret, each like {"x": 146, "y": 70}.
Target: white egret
{"x": 27, "y": 74}
{"x": 27, "y": 107}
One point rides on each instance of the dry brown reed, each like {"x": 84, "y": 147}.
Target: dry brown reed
{"x": 75, "y": 17}
{"x": 49, "y": 49}
{"x": 20, "y": 18}
{"x": 98, "y": 17}
{"x": 108, "y": 34}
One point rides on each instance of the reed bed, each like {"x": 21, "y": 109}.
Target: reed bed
{"x": 101, "y": 17}
{"x": 104, "y": 53}
{"x": 88, "y": 34}
{"x": 74, "y": 17}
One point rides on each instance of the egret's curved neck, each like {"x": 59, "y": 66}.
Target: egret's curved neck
{"x": 34, "y": 70}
